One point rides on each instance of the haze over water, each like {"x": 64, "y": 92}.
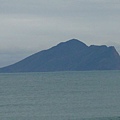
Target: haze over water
{"x": 60, "y": 95}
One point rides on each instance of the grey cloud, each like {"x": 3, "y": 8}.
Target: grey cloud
{"x": 60, "y": 7}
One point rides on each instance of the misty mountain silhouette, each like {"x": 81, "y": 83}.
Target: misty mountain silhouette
{"x": 72, "y": 55}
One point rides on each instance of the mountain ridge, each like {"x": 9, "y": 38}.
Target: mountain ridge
{"x": 72, "y": 55}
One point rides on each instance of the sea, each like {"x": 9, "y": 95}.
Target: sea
{"x": 72, "y": 95}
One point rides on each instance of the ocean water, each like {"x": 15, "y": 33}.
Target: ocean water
{"x": 91, "y": 95}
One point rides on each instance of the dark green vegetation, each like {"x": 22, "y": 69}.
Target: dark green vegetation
{"x": 72, "y": 55}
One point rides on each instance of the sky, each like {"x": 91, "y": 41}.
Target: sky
{"x": 29, "y": 26}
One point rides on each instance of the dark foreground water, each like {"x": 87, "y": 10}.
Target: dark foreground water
{"x": 60, "y": 96}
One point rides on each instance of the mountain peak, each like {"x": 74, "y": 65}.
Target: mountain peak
{"x": 74, "y": 40}
{"x": 72, "y": 55}
{"x": 73, "y": 43}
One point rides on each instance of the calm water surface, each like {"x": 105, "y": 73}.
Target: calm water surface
{"x": 60, "y": 95}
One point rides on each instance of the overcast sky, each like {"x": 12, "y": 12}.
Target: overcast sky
{"x": 29, "y": 26}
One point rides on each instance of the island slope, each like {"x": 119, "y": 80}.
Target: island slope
{"x": 72, "y": 55}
